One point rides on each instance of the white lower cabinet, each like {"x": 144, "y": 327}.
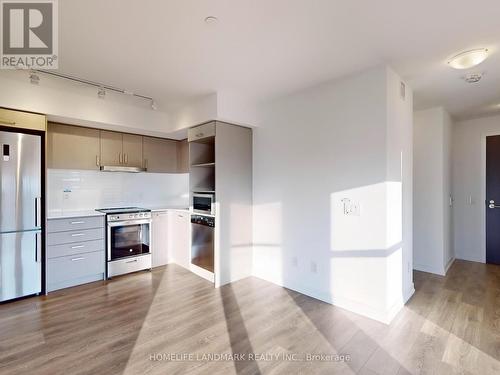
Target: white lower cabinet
{"x": 179, "y": 237}
{"x": 159, "y": 233}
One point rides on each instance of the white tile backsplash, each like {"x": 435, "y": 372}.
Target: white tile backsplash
{"x": 74, "y": 190}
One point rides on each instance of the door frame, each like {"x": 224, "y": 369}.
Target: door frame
{"x": 484, "y": 135}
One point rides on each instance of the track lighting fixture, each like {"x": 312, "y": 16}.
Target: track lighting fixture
{"x": 101, "y": 87}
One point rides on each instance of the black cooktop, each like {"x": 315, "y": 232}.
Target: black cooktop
{"x": 122, "y": 210}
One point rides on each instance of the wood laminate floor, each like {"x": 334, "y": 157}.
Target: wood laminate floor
{"x": 135, "y": 324}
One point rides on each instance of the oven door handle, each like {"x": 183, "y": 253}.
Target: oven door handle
{"x": 128, "y": 223}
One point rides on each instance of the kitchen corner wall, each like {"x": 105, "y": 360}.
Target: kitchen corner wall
{"x": 72, "y": 190}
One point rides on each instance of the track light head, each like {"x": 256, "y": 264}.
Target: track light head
{"x": 101, "y": 92}
{"x": 34, "y": 78}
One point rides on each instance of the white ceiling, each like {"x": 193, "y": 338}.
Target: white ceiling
{"x": 265, "y": 48}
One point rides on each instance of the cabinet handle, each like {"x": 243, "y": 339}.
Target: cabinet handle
{"x": 119, "y": 157}
{"x": 78, "y": 247}
{"x": 146, "y": 163}
{"x": 77, "y": 222}
{"x": 132, "y": 261}
{"x": 97, "y": 160}
{"x": 126, "y": 158}
{"x": 76, "y": 259}
{"x": 77, "y": 234}
{"x": 200, "y": 135}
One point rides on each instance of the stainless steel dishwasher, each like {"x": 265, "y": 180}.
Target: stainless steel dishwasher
{"x": 202, "y": 241}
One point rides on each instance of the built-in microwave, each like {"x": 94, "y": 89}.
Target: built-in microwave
{"x": 204, "y": 203}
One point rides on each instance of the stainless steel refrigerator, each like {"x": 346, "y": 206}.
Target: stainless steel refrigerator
{"x": 20, "y": 215}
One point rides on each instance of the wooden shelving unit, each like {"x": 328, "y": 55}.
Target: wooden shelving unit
{"x": 202, "y": 165}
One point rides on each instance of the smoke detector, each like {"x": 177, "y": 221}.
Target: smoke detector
{"x": 211, "y": 20}
{"x": 472, "y": 77}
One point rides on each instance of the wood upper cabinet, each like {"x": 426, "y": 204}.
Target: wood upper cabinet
{"x": 132, "y": 150}
{"x": 183, "y": 156}
{"x": 72, "y": 147}
{"x": 111, "y": 148}
{"x": 75, "y": 147}
{"x": 23, "y": 120}
{"x": 160, "y": 155}
{"x": 121, "y": 149}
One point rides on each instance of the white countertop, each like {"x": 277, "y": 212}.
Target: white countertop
{"x": 69, "y": 214}
{"x": 59, "y": 214}
{"x": 165, "y": 208}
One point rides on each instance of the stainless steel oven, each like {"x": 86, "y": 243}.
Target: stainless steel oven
{"x": 204, "y": 203}
{"x": 128, "y": 240}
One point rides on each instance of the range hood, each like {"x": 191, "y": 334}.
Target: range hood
{"x": 116, "y": 168}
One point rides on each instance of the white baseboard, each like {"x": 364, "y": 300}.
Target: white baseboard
{"x": 384, "y": 316}
{"x": 203, "y": 273}
{"x": 469, "y": 259}
{"x": 432, "y": 269}
{"x": 448, "y": 265}
{"x": 429, "y": 269}
{"x": 409, "y": 292}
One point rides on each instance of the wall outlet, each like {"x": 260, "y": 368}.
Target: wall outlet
{"x": 314, "y": 267}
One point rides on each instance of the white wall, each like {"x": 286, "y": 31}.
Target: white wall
{"x": 343, "y": 139}
{"x": 432, "y": 245}
{"x": 468, "y": 186}
{"x": 73, "y": 190}
{"x": 78, "y": 104}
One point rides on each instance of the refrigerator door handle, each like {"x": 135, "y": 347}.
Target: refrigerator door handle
{"x": 38, "y": 245}
{"x": 37, "y": 212}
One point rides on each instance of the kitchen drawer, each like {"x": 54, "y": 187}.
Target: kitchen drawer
{"x": 71, "y": 270}
{"x": 73, "y": 236}
{"x": 75, "y": 223}
{"x": 201, "y": 131}
{"x": 73, "y": 248}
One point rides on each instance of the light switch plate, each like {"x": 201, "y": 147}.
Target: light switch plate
{"x": 351, "y": 208}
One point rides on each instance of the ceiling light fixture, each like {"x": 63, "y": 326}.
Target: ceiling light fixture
{"x": 211, "y": 20}
{"x": 101, "y": 93}
{"x": 468, "y": 59}
{"x": 34, "y": 78}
